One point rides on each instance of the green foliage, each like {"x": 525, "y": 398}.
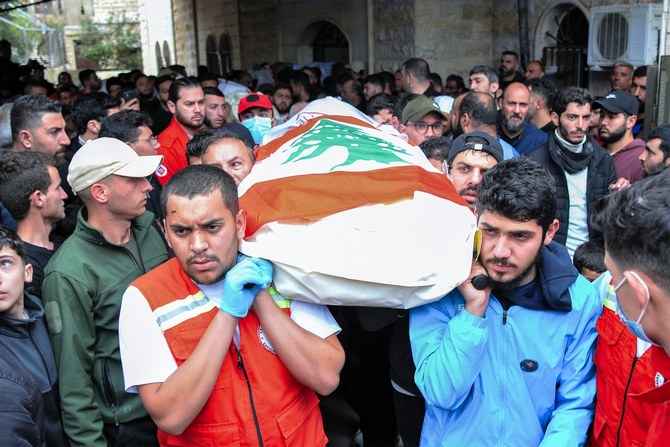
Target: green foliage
{"x": 112, "y": 45}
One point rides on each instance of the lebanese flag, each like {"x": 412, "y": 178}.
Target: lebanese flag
{"x": 351, "y": 215}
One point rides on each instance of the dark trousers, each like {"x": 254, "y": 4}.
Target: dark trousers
{"x": 409, "y": 412}
{"x": 140, "y": 432}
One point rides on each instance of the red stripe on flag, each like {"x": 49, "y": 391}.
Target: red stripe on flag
{"x": 307, "y": 198}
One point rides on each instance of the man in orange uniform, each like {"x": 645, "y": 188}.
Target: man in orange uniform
{"x": 216, "y": 357}
{"x": 186, "y": 102}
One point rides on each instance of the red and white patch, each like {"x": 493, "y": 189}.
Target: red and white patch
{"x": 264, "y": 341}
{"x": 161, "y": 170}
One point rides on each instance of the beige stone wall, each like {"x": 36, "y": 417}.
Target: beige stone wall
{"x": 259, "y": 32}
{"x": 216, "y": 17}
{"x": 394, "y": 33}
{"x": 185, "y": 36}
{"x": 102, "y": 9}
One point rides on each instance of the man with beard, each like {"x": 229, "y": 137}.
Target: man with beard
{"x": 656, "y": 155}
{"x": 638, "y": 88}
{"x": 510, "y": 363}
{"x": 470, "y": 156}
{"x": 508, "y": 71}
{"x": 186, "y": 101}
{"x": 476, "y": 111}
{"x": 216, "y": 108}
{"x": 282, "y": 100}
{"x": 206, "y": 341}
{"x": 618, "y": 113}
{"x": 583, "y": 171}
{"x": 514, "y": 127}
{"x": 621, "y": 76}
{"x": 90, "y": 82}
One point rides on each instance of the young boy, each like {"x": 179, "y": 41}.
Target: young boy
{"x": 23, "y": 331}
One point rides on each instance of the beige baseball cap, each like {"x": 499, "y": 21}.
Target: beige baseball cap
{"x": 103, "y": 157}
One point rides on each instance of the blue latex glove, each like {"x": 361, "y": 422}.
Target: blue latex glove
{"x": 242, "y": 283}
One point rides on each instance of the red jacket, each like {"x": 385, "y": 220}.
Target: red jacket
{"x": 173, "y": 142}
{"x": 659, "y": 395}
{"x": 255, "y": 397}
{"x": 619, "y": 374}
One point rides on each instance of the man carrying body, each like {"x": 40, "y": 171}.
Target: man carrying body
{"x": 186, "y": 102}
{"x": 511, "y": 364}
{"x": 618, "y": 114}
{"x": 634, "y": 223}
{"x": 282, "y": 100}
{"x": 113, "y": 244}
{"x": 226, "y": 150}
{"x": 514, "y": 127}
{"x": 256, "y": 114}
{"x": 582, "y": 171}
{"x": 251, "y": 359}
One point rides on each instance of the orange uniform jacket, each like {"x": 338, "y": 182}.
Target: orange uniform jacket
{"x": 173, "y": 142}
{"x": 659, "y": 432}
{"x": 256, "y": 400}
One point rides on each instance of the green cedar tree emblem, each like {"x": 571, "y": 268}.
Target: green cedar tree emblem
{"x": 359, "y": 144}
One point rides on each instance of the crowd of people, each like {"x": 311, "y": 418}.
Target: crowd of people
{"x": 128, "y": 317}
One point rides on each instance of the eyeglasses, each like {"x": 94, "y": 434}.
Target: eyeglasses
{"x": 152, "y": 139}
{"x": 423, "y": 127}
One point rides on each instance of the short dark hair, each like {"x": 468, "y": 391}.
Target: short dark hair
{"x": 28, "y": 110}
{"x": 590, "y": 255}
{"x": 114, "y": 80}
{"x": 213, "y": 91}
{"x": 21, "y": 174}
{"x": 198, "y": 145}
{"x": 380, "y": 101}
{"x": 85, "y": 75}
{"x": 662, "y": 133}
{"x": 460, "y": 84}
{"x": 635, "y": 223}
{"x": 11, "y": 240}
{"x": 488, "y": 71}
{"x": 179, "y": 84}
{"x": 511, "y": 53}
{"x": 480, "y": 108}
{"x": 435, "y": 79}
{"x": 92, "y": 106}
{"x": 375, "y": 79}
{"x": 301, "y": 78}
{"x": 208, "y": 77}
{"x": 520, "y": 189}
{"x": 640, "y": 72}
{"x": 281, "y": 86}
{"x": 418, "y": 68}
{"x": 565, "y": 96}
{"x": 543, "y": 88}
{"x": 437, "y": 148}
{"x": 201, "y": 180}
{"x": 125, "y": 125}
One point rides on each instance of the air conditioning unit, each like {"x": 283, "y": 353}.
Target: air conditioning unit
{"x": 627, "y": 33}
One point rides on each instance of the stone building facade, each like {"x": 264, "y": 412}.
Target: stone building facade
{"x": 452, "y": 35}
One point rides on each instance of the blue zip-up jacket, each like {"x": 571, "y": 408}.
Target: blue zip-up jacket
{"x": 524, "y": 377}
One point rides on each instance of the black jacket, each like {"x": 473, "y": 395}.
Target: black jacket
{"x": 29, "y": 341}
{"x": 600, "y": 175}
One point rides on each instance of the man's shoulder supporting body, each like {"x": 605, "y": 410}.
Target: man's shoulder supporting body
{"x": 518, "y": 376}
{"x": 82, "y": 289}
{"x": 174, "y": 313}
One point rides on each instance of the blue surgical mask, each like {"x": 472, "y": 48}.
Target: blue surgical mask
{"x": 634, "y": 326}
{"x": 258, "y": 126}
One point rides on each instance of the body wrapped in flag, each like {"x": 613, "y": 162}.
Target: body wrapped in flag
{"x": 348, "y": 215}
